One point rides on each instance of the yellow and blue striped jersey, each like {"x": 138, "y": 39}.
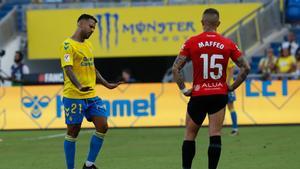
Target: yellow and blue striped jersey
{"x": 80, "y": 56}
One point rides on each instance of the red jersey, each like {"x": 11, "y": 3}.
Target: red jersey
{"x": 209, "y": 53}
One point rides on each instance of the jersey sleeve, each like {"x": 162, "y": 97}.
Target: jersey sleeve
{"x": 66, "y": 57}
{"x": 235, "y": 52}
{"x": 185, "y": 49}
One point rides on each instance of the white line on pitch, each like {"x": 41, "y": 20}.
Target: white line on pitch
{"x": 53, "y": 136}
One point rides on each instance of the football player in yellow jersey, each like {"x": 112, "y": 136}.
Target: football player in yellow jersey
{"x": 79, "y": 100}
{"x": 231, "y": 98}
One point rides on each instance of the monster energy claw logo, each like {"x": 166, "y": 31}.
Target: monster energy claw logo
{"x": 111, "y": 23}
{"x": 155, "y": 30}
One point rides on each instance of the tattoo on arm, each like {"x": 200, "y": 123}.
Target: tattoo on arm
{"x": 176, "y": 69}
{"x": 243, "y": 64}
{"x": 72, "y": 77}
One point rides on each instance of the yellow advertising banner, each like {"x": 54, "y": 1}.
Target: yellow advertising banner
{"x": 126, "y": 31}
{"x": 148, "y": 105}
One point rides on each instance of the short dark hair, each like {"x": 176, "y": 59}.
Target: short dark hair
{"x": 128, "y": 71}
{"x": 211, "y": 11}
{"x": 20, "y": 54}
{"x": 86, "y": 17}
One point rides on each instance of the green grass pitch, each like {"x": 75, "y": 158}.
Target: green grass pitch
{"x": 264, "y": 147}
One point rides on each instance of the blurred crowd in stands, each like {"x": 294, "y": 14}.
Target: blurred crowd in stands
{"x": 286, "y": 62}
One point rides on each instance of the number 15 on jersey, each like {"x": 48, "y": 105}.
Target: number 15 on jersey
{"x": 210, "y": 62}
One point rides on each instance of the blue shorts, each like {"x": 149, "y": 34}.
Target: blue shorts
{"x": 76, "y": 109}
{"x": 231, "y": 97}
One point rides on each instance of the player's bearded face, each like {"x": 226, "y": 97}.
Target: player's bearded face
{"x": 87, "y": 35}
{"x": 89, "y": 28}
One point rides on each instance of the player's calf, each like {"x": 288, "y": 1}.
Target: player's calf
{"x": 214, "y": 151}
{"x": 188, "y": 153}
{"x": 95, "y": 147}
{"x": 69, "y": 149}
{"x": 189, "y": 146}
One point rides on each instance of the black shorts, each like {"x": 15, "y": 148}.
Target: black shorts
{"x": 198, "y": 106}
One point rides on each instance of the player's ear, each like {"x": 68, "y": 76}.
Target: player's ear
{"x": 79, "y": 24}
{"x": 202, "y": 22}
{"x": 218, "y": 24}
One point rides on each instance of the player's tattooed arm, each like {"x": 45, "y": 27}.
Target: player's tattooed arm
{"x": 104, "y": 82}
{"x": 176, "y": 69}
{"x": 74, "y": 80}
{"x": 177, "y": 76}
{"x": 243, "y": 64}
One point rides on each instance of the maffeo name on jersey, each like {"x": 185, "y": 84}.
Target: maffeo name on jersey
{"x": 211, "y": 44}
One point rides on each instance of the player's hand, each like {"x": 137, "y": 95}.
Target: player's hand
{"x": 188, "y": 93}
{"x": 85, "y": 89}
{"x": 113, "y": 85}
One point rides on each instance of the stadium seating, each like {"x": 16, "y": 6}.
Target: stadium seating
{"x": 276, "y": 48}
{"x": 4, "y": 10}
{"x": 296, "y": 30}
{"x": 9, "y": 5}
{"x": 293, "y": 11}
{"x": 2, "y": 14}
{"x": 254, "y": 64}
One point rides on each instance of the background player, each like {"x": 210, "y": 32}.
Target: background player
{"x": 209, "y": 53}
{"x": 80, "y": 99}
{"x": 231, "y": 98}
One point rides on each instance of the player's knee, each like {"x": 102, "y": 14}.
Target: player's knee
{"x": 102, "y": 128}
{"x": 190, "y": 135}
{"x": 105, "y": 128}
{"x": 214, "y": 133}
{"x": 230, "y": 106}
{"x": 73, "y": 132}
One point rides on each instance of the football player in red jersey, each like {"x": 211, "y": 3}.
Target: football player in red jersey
{"x": 209, "y": 53}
